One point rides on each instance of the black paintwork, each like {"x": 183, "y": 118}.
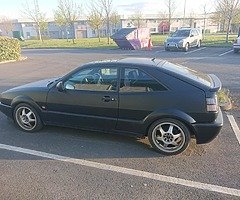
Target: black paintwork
{"x": 184, "y": 98}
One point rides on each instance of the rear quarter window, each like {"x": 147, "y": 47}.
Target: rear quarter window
{"x": 189, "y": 73}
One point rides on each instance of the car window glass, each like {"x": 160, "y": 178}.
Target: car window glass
{"x": 181, "y": 33}
{"x": 135, "y": 80}
{"x": 93, "y": 79}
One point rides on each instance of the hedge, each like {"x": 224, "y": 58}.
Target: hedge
{"x": 9, "y": 49}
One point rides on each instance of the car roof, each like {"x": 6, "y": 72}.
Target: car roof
{"x": 133, "y": 61}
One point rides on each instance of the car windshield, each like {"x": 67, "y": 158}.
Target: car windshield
{"x": 189, "y": 73}
{"x": 181, "y": 33}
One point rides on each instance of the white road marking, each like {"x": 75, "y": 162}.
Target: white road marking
{"x": 133, "y": 172}
{"x": 196, "y": 50}
{"x": 234, "y": 127}
{"x": 225, "y": 53}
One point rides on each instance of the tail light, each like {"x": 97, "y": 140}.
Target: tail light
{"x": 212, "y": 104}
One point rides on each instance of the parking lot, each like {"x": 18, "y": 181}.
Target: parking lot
{"x": 61, "y": 163}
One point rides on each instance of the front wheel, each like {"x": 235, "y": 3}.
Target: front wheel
{"x": 169, "y": 136}
{"x": 199, "y": 44}
{"x": 235, "y": 50}
{"x": 186, "y": 48}
{"x": 27, "y": 118}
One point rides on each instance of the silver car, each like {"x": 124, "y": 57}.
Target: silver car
{"x": 236, "y": 45}
{"x": 183, "y": 39}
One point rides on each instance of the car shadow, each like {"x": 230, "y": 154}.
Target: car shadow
{"x": 82, "y": 144}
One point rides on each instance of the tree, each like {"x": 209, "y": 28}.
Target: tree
{"x": 34, "y": 13}
{"x": 137, "y": 19}
{"x": 69, "y": 11}
{"x": 171, "y": 6}
{"x": 61, "y": 22}
{"x": 227, "y": 9}
{"x": 95, "y": 20}
{"x": 6, "y": 24}
{"x": 115, "y": 19}
{"x": 106, "y": 6}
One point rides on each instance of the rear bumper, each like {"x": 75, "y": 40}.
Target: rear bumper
{"x": 5, "y": 109}
{"x": 205, "y": 133}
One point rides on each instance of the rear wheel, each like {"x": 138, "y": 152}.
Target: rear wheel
{"x": 27, "y": 118}
{"x": 169, "y": 136}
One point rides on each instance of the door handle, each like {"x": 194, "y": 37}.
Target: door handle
{"x": 108, "y": 99}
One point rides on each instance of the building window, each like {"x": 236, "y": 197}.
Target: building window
{"x": 93, "y": 32}
{"x": 153, "y": 30}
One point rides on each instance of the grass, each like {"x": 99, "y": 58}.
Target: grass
{"x": 216, "y": 40}
{"x": 63, "y": 43}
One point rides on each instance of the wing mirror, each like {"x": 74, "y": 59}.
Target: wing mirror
{"x": 60, "y": 86}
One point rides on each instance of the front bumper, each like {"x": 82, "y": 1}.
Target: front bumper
{"x": 205, "y": 133}
{"x": 236, "y": 46}
{"x": 173, "y": 45}
{"x": 7, "y": 110}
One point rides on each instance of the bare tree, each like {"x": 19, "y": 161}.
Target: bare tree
{"x": 34, "y": 13}
{"x": 61, "y": 22}
{"x": 106, "y": 5}
{"x": 171, "y": 6}
{"x": 68, "y": 10}
{"x": 96, "y": 20}
{"x": 228, "y": 9}
{"x": 6, "y": 24}
{"x": 115, "y": 19}
{"x": 137, "y": 19}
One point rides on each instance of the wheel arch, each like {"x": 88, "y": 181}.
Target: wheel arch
{"x": 172, "y": 114}
{"x": 27, "y": 100}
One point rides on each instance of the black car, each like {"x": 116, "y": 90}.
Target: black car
{"x": 138, "y": 96}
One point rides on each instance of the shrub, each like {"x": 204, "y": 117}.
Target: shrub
{"x": 9, "y": 49}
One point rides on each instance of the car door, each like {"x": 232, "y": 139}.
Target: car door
{"x": 139, "y": 95}
{"x": 89, "y": 99}
{"x": 192, "y": 38}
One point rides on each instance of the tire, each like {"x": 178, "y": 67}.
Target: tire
{"x": 186, "y": 48}
{"x": 169, "y": 136}
{"x": 167, "y": 49}
{"x": 235, "y": 50}
{"x": 26, "y": 118}
{"x": 199, "y": 44}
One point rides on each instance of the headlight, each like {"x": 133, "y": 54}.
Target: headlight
{"x": 180, "y": 42}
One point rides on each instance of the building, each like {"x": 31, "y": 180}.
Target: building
{"x": 81, "y": 28}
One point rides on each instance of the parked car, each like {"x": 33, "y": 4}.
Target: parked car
{"x": 183, "y": 39}
{"x": 138, "y": 96}
{"x": 236, "y": 45}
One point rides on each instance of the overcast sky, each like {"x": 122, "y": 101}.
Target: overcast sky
{"x": 11, "y": 8}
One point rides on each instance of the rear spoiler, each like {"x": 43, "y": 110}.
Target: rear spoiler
{"x": 216, "y": 83}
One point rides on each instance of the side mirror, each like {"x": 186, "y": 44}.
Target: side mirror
{"x": 60, "y": 86}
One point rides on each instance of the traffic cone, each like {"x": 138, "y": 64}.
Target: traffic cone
{"x": 150, "y": 44}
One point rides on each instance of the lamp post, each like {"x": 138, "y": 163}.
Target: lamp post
{"x": 184, "y": 12}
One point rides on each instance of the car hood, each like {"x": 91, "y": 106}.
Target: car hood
{"x": 175, "y": 39}
{"x": 38, "y": 84}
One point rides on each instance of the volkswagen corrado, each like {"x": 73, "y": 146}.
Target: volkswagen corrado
{"x": 168, "y": 103}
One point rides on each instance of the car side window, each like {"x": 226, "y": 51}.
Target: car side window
{"x": 93, "y": 79}
{"x": 135, "y": 80}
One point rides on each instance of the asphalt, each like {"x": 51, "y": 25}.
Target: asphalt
{"x": 24, "y": 176}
